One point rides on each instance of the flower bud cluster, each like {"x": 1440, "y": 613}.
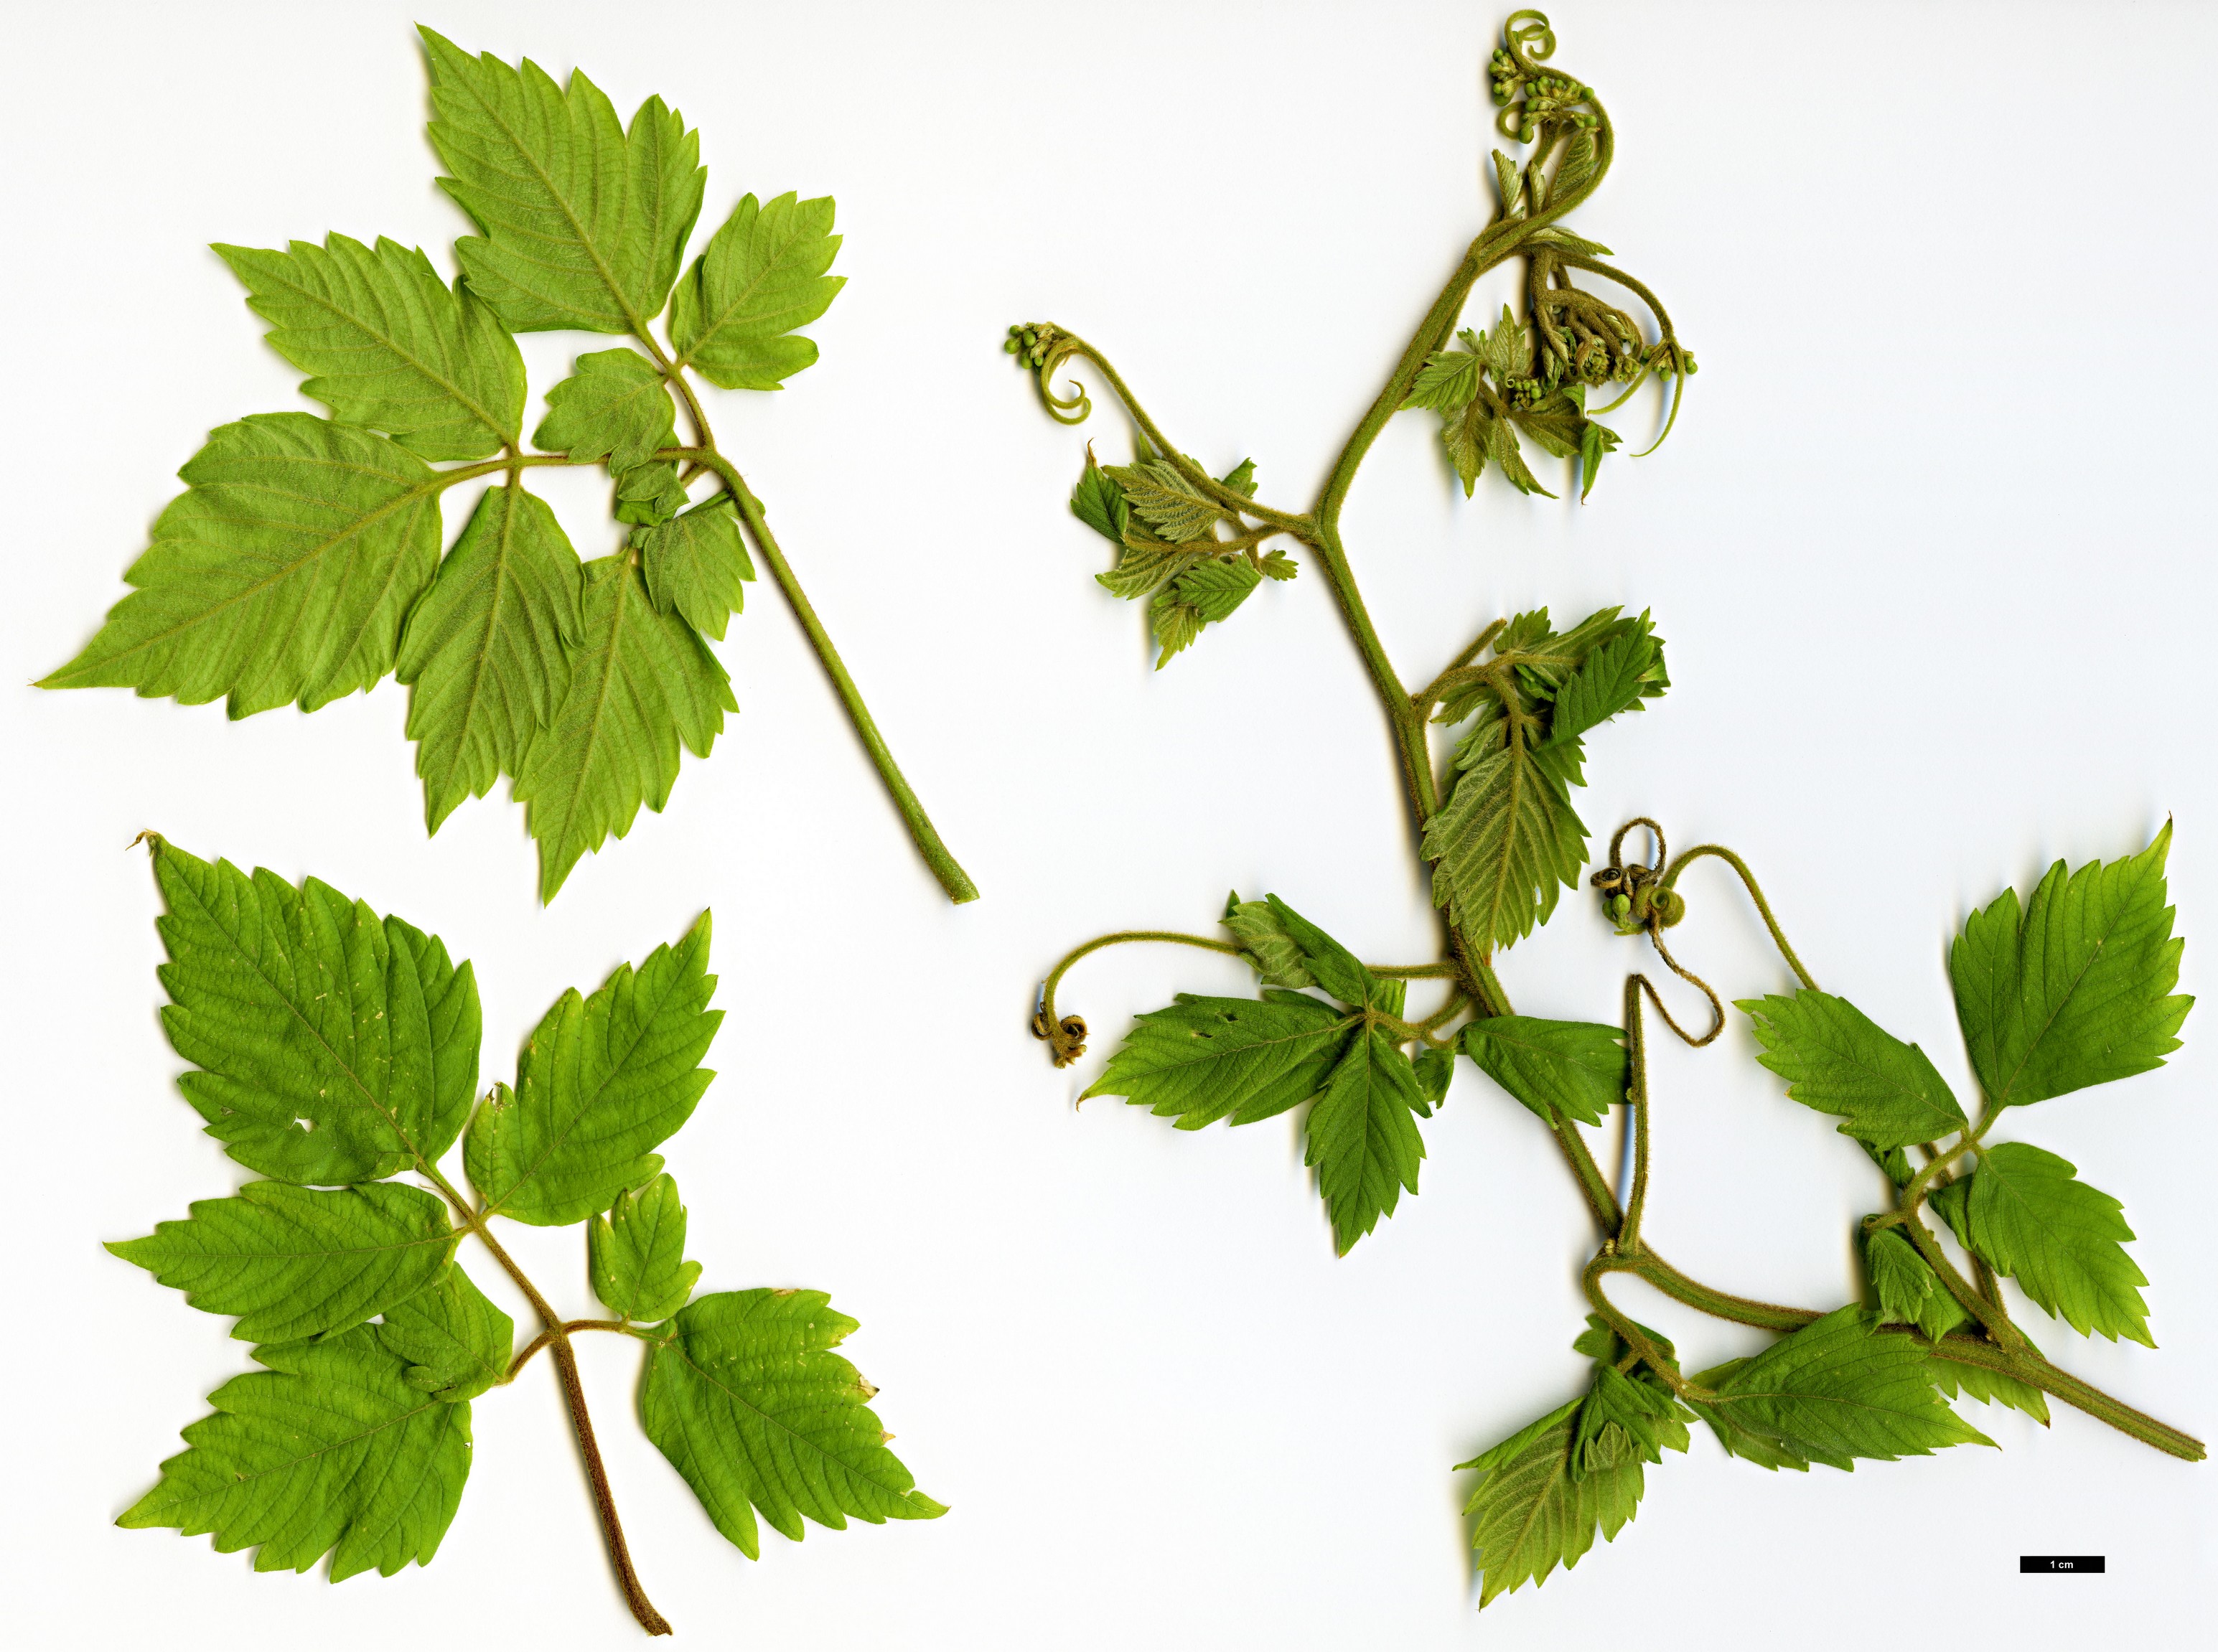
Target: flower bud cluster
{"x": 1031, "y": 342}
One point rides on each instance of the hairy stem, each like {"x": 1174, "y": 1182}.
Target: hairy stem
{"x": 1755, "y": 894}
{"x": 952, "y": 878}
{"x": 2030, "y": 1367}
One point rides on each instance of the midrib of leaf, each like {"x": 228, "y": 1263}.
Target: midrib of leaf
{"x": 444, "y": 383}
{"x": 353, "y": 1078}
{"x": 1532, "y": 1517}
{"x": 439, "y": 481}
{"x": 677, "y": 1345}
{"x": 593, "y": 248}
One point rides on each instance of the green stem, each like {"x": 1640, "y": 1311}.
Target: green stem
{"x": 2030, "y": 1367}
{"x": 1754, "y": 893}
{"x": 1742, "y": 1310}
{"x": 1636, "y": 1098}
{"x": 952, "y": 878}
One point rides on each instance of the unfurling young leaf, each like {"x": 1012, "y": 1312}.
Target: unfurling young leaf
{"x": 1165, "y": 500}
{"x": 1508, "y": 843}
{"x": 1909, "y": 1292}
{"x": 1834, "y": 1060}
{"x": 1529, "y": 1515}
{"x": 1100, "y": 503}
{"x": 1264, "y": 942}
{"x": 2025, "y": 1213}
{"x": 2076, "y": 989}
{"x": 636, "y": 1254}
{"x": 334, "y": 1046}
{"x": 614, "y": 410}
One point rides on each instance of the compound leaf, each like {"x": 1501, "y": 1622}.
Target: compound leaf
{"x": 636, "y": 1254}
{"x": 283, "y": 573}
{"x": 2076, "y": 989}
{"x": 602, "y": 1081}
{"x": 751, "y": 1406}
{"x": 332, "y": 1046}
{"x": 641, "y": 683}
{"x": 1836, "y": 1390}
{"x": 391, "y": 345}
{"x": 2028, "y": 1216}
{"x": 585, "y": 223}
{"x": 485, "y": 653}
{"x": 1528, "y": 1514}
{"x": 1507, "y": 843}
{"x": 454, "y": 1342}
{"x": 328, "y": 1451}
{"x": 1837, "y": 1061}
{"x": 1363, "y": 1137}
{"x": 696, "y": 564}
{"x": 296, "y": 1262}
{"x": 761, "y": 276}
{"x": 1204, "y": 1059}
{"x": 1576, "y": 1069}
{"x": 614, "y": 409}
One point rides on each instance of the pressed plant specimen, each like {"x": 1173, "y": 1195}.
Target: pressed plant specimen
{"x": 305, "y": 562}
{"x": 334, "y": 1052}
{"x": 2071, "y": 988}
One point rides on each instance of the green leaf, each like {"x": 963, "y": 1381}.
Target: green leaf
{"x": 752, "y": 1408}
{"x": 762, "y": 275}
{"x": 2027, "y": 1215}
{"x": 332, "y": 1046}
{"x": 650, "y": 494}
{"x": 1577, "y": 166}
{"x": 1463, "y": 432}
{"x": 454, "y": 1342}
{"x": 1507, "y": 181}
{"x": 1499, "y": 437}
{"x": 637, "y": 1253}
{"x": 1576, "y": 1069}
{"x": 486, "y": 652}
{"x": 2076, "y": 990}
{"x": 602, "y": 1081}
{"x": 1363, "y": 1141}
{"x": 1277, "y": 564}
{"x": 1529, "y": 1514}
{"x": 296, "y": 1262}
{"x": 1508, "y": 350}
{"x": 1204, "y": 1059}
{"x": 1762, "y": 1450}
{"x": 1595, "y": 443}
{"x": 1614, "y": 677}
{"x": 329, "y": 1451}
{"x": 585, "y": 223}
{"x": 1240, "y": 478}
{"x": 1507, "y": 843}
{"x": 1990, "y": 1387}
{"x": 283, "y": 575}
{"x": 641, "y": 683}
{"x": 1332, "y": 965}
{"x": 614, "y": 409}
{"x": 1837, "y": 1061}
{"x": 1217, "y": 586}
{"x": 390, "y": 344}
{"x": 1448, "y": 383}
{"x": 1100, "y": 504}
{"x": 1622, "y": 1418}
{"x": 1436, "y": 1071}
{"x": 1835, "y": 1390}
{"x": 1909, "y": 1292}
{"x": 1165, "y": 500}
{"x": 1264, "y": 942}
{"x": 696, "y": 565}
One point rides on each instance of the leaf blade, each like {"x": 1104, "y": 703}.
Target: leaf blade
{"x": 636, "y": 1254}
{"x": 761, "y": 276}
{"x": 1836, "y": 1060}
{"x": 1579, "y": 1068}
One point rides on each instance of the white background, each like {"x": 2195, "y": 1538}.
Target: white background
{"x": 1929, "y": 546}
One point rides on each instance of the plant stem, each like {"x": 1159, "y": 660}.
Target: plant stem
{"x": 574, "y": 1400}
{"x": 2030, "y": 1367}
{"x": 1754, "y": 893}
{"x": 1636, "y": 1098}
{"x": 952, "y": 878}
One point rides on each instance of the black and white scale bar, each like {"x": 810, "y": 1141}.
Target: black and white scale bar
{"x": 2060, "y": 1563}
